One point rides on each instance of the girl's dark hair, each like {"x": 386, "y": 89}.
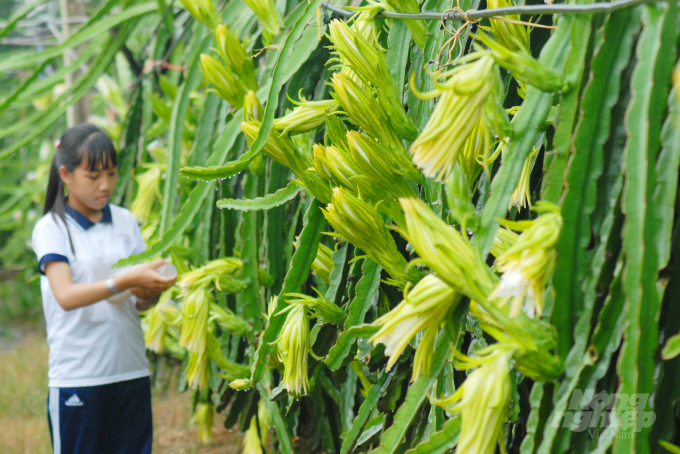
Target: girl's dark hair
{"x": 76, "y": 142}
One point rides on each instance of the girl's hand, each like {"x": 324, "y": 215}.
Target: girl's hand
{"x": 145, "y": 276}
{"x": 143, "y": 294}
{"x": 145, "y": 298}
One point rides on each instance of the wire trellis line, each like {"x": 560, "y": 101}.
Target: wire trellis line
{"x": 533, "y": 10}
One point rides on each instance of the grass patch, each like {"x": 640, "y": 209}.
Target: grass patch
{"x": 23, "y": 406}
{"x": 23, "y": 396}
{"x": 20, "y": 300}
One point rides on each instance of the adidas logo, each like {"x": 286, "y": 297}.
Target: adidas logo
{"x": 74, "y": 401}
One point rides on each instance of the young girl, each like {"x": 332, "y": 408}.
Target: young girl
{"x": 99, "y": 398}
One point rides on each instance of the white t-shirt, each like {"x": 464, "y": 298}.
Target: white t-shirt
{"x": 103, "y": 342}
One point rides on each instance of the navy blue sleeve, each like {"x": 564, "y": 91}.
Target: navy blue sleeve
{"x": 50, "y": 258}
{"x": 50, "y": 243}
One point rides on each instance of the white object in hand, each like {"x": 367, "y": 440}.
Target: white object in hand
{"x": 167, "y": 270}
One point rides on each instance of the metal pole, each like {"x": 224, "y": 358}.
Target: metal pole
{"x": 533, "y": 10}
{"x": 79, "y": 111}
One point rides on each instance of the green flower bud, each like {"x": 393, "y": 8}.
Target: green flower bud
{"x": 336, "y": 132}
{"x": 198, "y": 367}
{"x": 148, "y": 192}
{"x": 150, "y": 227}
{"x": 425, "y": 306}
{"x": 363, "y": 109}
{"x": 374, "y": 161}
{"x": 213, "y": 273}
{"x": 241, "y": 384}
{"x": 320, "y": 308}
{"x": 459, "y": 199}
{"x": 360, "y": 223}
{"x": 483, "y": 401}
{"x": 308, "y": 115}
{"x": 252, "y": 109}
{"x": 504, "y": 239}
{"x": 198, "y": 370}
{"x": 366, "y": 24}
{"x": 235, "y": 56}
{"x": 271, "y": 307}
{"x": 534, "y": 339}
{"x": 232, "y": 370}
{"x": 227, "y": 320}
{"x": 321, "y": 163}
{"x": 524, "y": 67}
{"x": 528, "y": 264}
{"x": 323, "y": 263}
{"x": 303, "y": 144}
{"x": 225, "y": 84}
{"x": 369, "y": 64}
{"x": 268, "y": 15}
{"x": 227, "y": 284}
{"x": 195, "y": 312}
{"x": 454, "y": 118}
{"x": 342, "y": 167}
{"x": 171, "y": 314}
{"x": 203, "y": 11}
{"x": 521, "y": 196}
{"x": 422, "y": 360}
{"x": 346, "y": 172}
{"x": 157, "y": 319}
{"x": 263, "y": 421}
{"x": 293, "y": 346}
{"x": 154, "y": 327}
{"x": 418, "y": 28}
{"x": 446, "y": 251}
{"x": 204, "y": 416}
{"x": 513, "y": 36}
{"x": 279, "y": 148}
{"x": 251, "y": 441}
{"x": 474, "y": 153}
{"x": 355, "y": 52}
{"x": 315, "y": 184}
{"x": 366, "y": 112}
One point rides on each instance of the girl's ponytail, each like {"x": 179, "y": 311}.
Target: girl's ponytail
{"x": 55, "y": 189}
{"x": 55, "y": 200}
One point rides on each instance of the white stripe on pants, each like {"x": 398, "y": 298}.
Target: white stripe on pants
{"x": 54, "y": 419}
